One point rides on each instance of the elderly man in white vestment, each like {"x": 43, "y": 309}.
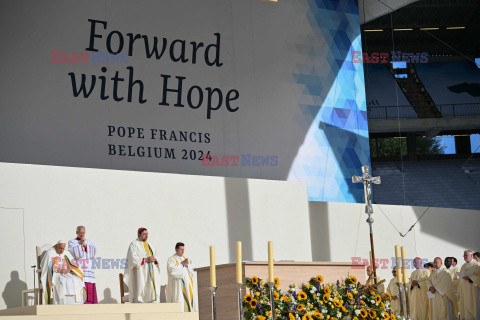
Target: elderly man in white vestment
{"x": 468, "y": 288}
{"x": 418, "y": 291}
{"x": 62, "y": 279}
{"x": 393, "y": 290}
{"x": 83, "y": 250}
{"x": 142, "y": 275}
{"x": 181, "y": 288}
{"x": 440, "y": 296}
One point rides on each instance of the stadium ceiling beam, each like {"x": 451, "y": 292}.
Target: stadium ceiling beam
{"x": 372, "y": 9}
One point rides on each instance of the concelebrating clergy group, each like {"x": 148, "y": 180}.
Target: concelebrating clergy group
{"x": 439, "y": 291}
{"x": 67, "y": 281}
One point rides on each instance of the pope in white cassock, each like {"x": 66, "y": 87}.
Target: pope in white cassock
{"x": 181, "y": 273}
{"x": 62, "y": 280}
{"x": 142, "y": 275}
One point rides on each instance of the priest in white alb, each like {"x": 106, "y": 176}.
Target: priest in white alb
{"x": 142, "y": 275}
{"x": 62, "y": 279}
{"x": 394, "y": 291}
{"x": 440, "y": 296}
{"x": 418, "y": 291}
{"x": 468, "y": 288}
{"x": 83, "y": 250}
{"x": 181, "y": 274}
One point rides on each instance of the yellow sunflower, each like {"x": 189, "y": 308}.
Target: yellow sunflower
{"x": 344, "y": 309}
{"x": 392, "y": 316}
{"x": 382, "y": 305}
{"x": 378, "y": 298}
{"x": 268, "y": 313}
{"x": 363, "y": 313}
{"x": 326, "y": 297}
{"x": 362, "y": 302}
{"x": 388, "y": 296}
{"x": 349, "y": 296}
{"x": 337, "y": 303}
{"x": 300, "y": 307}
{"x": 254, "y": 281}
{"x": 353, "y": 279}
{"x": 319, "y": 279}
{"x": 291, "y": 316}
{"x": 302, "y": 296}
{"x": 286, "y": 299}
{"x": 355, "y": 318}
{"x": 257, "y": 294}
{"x": 259, "y": 317}
{"x": 276, "y": 295}
{"x": 372, "y": 293}
{"x": 247, "y": 298}
{"x": 277, "y": 282}
{"x": 318, "y": 315}
{"x": 372, "y": 314}
{"x": 327, "y": 290}
{"x": 385, "y": 315}
{"x": 307, "y": 316}
{"x": 253, "y": 303}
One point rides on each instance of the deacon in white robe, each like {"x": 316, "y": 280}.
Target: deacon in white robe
{"x": 468, "y": 288}
{"x": 418, "y": 291}
{"x": 83, "y": 250}
{"x": 181, "y": 288}
{"x": 62, "y": 280}
{"x": 142, "y": 275}
{"x": 441, "y": 296}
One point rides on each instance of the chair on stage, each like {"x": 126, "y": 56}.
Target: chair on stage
{"x": 123, "y": 298}
{"x": 38, "y": 290}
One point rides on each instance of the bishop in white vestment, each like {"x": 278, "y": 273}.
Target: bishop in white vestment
{"x": 181, "y": 273}
{"x": 142, "y": 275}
{"x": 62, "y": 280}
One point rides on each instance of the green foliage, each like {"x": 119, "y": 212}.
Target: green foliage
{"x": 392, "y": 147}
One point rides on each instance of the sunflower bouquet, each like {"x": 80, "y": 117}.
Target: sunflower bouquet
{"x": 347, "y": 299}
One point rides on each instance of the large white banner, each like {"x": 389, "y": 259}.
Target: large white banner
{"x": 213, "y": 87}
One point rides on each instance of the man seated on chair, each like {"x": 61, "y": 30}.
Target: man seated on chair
{"x": 62, "y": 280}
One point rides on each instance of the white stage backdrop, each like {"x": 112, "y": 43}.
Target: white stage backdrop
{"x": 268, "y": 90}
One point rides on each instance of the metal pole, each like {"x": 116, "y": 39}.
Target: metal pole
{"x": 272, "y": 300}
{"x": 407, "y": 305}
{"x": 372, "y": 248}
{"x": 240, "y": 304}
{"x": 400, "y": 289}
{"x": 214, "y": 306}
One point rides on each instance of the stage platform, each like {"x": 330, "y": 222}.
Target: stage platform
{"x": 139, "y": 311}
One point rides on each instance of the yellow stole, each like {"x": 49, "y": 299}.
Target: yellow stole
{"x": 188, "y": 302}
